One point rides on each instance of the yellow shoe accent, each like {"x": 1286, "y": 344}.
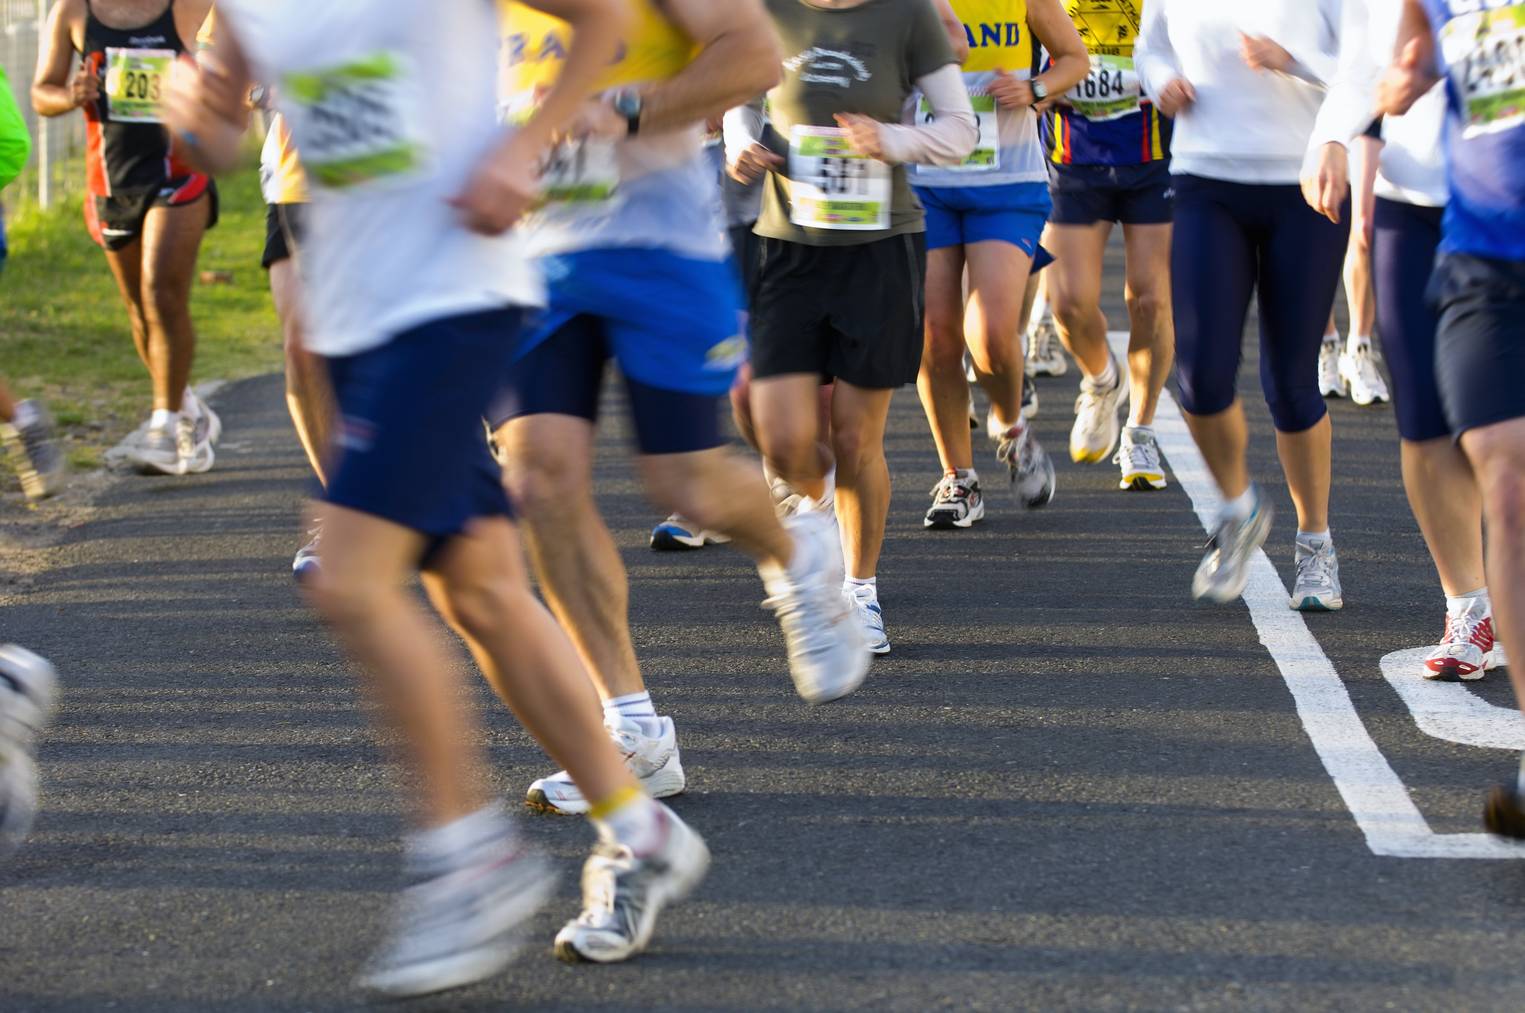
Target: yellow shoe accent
{"x": 605, "y": 807}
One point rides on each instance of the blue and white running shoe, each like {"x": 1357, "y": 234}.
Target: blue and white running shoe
{"x": 677, "y": 535}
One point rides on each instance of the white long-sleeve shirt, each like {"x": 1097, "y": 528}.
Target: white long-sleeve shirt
{"x": 1413, "y": 168}
{"x": 1246, "y": 126}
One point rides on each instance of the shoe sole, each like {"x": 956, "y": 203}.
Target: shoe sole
{"x": 1452, "y": 673}
{"x": 974, "y": 517}
{"x": 663, "y": 784}
{"x": 1312, "y": 604}
{"x": 666, "y": 541}
{"x": 1142, "y": 483}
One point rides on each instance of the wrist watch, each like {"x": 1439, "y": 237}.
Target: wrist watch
{"x": 1040, "y": 90}
{"x": 629, "y": 105}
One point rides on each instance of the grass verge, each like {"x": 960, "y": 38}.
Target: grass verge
{"x": 64, "y": 335}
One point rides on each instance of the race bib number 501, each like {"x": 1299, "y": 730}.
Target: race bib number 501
{"x": 360, "y": 123}
{"x": 1486, "y": 53}
{"x": 134, "y": 82}
{"x": 833, "y": 187}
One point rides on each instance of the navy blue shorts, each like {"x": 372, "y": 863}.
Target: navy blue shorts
{"x": 1480, "y": 346}
{"x": 410, "y": 446}
{"x": 1012, "y": 213}
{"x": 1126, "y": 194}
{"x": 1235, "y": 240}
{"x": 1404, "y": 240}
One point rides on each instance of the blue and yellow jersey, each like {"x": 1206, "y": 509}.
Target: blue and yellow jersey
{"x": 534, "y": 45}
{"x": 997, "y": 34}
{"x": 1108, "y": 122}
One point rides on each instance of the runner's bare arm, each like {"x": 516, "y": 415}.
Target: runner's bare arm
{"x": 1413, "y": 71}
{"x": 1055, "y": 29}
{"x": 191, "y": 17}
{"x": 204, "y": 107}
{"x": 739, "y": 57}
{"x": 53, "y": 92}
{"x": 597, "y": 28}
{"x": 956, "y": 34}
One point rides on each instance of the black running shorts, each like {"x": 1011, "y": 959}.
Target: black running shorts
{"x": 851, "y": 313}
{"x": 1480, "y": 345}
{"x": 283, "y": 227}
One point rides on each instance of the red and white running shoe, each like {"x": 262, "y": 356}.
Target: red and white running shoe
{"x": 1468, "y": 650}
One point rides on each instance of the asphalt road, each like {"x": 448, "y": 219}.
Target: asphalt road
{"x": 1069, "y": 787}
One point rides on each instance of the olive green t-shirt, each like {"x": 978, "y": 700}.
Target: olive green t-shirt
{"x": 861, "y": 59}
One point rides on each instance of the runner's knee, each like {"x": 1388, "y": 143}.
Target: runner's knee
{"x": 543, "y": 479}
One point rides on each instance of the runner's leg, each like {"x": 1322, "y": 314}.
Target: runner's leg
{"x": 309, "y": 397}
{"x": 171, "y": 243}
{"x": 1074, "y": 289}
{"x": 992, "y": 324}
{"x": 941, "y": 383}
{"x": 858, "y": 418}
{"x": 1151, "y": 332}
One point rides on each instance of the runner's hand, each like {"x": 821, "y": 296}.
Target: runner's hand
{"x": 1175, "y": 96}
{"x": 85, "y": 87}
{"x": 203, "y": 113}
{"x": 754, "y": 163}
{"x": 501, "y": 189}
{"x": 597, "y": 118}
{"x": 1405, "y": 82}
{"x": 1327, "y": 185}
{"x": 863, "y": 134}
{"x": 1261, "y": 53}
{"x": 1011, "y": 92}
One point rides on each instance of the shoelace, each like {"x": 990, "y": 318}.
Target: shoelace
{"x": 1463, "y": 629}
{"x": 1316, "y": 568}
{"x": 1139, "y": 455}
{"x": 951, "y": 487}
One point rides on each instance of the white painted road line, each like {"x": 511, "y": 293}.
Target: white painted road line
{"x": 1374, "y": 794}
{"x": 1449, "y": 710}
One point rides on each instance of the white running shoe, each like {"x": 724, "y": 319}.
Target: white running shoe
{"x": 1032, "y": 473}
{"x": 1468, "y": 650}
{"x": 33, "y": 447}
{"x": 1045, "y": 352}
{"x": 1330, "y": 382}
{"x": 1317, "y": 588}
{"x": 622, "y": 893}
{"x": 28, "y": 688}
{"x": 653, "y": 761}
{"x": 197, "y": 408}
{"x": 1097, "y": 426}
{"x": 306, "y": 562}
{"x": 864, "y": 601}
{"x": 1029, "y": 397}
{"x": 461, "y": 923}
{"x": 956, "y": 503}
{"x": 1225, "y": 569}
{"x": 827, "y": 656}
{"x": 1358, "y": 372}
{"x": 1139, "y": 457}
{"x": 677, "y": 534}
{"x": 182, "y": 448}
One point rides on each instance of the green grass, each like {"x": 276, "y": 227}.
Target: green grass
{"x": 64, "y": 335}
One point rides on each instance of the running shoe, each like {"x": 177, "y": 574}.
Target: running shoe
{"x": 864, "y": 601}
{"x": 1097, "y": 426}
{"x": 1358, "y": 373}
{"x": 956, "y": 503}
{"x": 1468, "y": 649}
{"x": 1032, "y": 473}
{"x": 181, "y": 449}
{"x": 197, "y": 408}
{"x": 785, "y": 499}
{"x": 461, "y": 922}
{"x": 827, "y": 655}
{"x": 653, "y": 761}
{"x": 969, "y": 372}
{"x": 1225, "y": 569}
{"x": 1317, "y": 588}
{"x": 1330, "y": 382}
{"x": 1029, "y": 397}
{"x": 622, "y": 892}
{"x": 676, "y": 535}
{"x": 1045, "y": 353}
{"x": 1139, "y": 457}
{"x": 34, "y": 450}
{"x": 306, "y": 563}
{"x": 1504, "y": 814}
{"x": 28, "y": 686}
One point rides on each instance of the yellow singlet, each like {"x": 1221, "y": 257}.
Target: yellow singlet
{"x": 997, "y": 33}
{"x": 534, "y": 45}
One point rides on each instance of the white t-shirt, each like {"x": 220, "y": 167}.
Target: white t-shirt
{"x": 392, "y": 107}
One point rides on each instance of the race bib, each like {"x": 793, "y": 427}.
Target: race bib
{"x": 134, "y": 81}
{"x": 1109, "y": 92}
{"x": 986, "y": 156}
{"x": 834, "y": 187}
{"x": 359, "y": 124}
{"x": 580, "y": 175}
{"x": 1486, "y": 54}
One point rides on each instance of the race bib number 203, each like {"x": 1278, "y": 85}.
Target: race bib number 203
{"x": 134, "y": 82}
{"x": 360, "y": 123}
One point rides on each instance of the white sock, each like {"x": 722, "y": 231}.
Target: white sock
{"x": 1140, "y": 429}
{"x": 1331, "y": 337}
{"x": 635, "y": 824}
{"x": 853, "y": 583}
{"x": 162, "y": 418}
{"x": 967, "y": 474}
{"x": 1356, "y": 341}
{"x": 1107, "y": 378}
{"x": 190, "y": 404}
{"x": 769, "y": 475}
{"x": 636, "y": 707}
{"x": 831, "y": 487}
{"x": 27, "y": 414}
{"x": 1241, "y": 506}
{"x": 1309, "y": 537}
{"x": 1463, "y": 602}
{"x": 1040, "y": 311}
{"x": 445, "y": 846}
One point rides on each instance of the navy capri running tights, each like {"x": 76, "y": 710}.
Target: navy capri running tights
{"x": 1230, "y": 240}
